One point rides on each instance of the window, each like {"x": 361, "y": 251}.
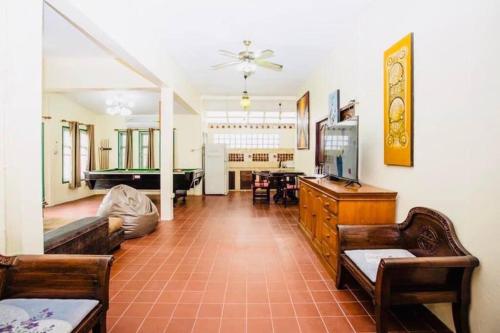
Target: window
{"x": 122, "y": 147}
{"x": 143, "y": 149}
{"x": 264, "y": 140}
{"x": 66, "y": 155}
{"x": 67, "y": 162}
{"x": 84, "y": 152}
{"x": 250, "y": 117}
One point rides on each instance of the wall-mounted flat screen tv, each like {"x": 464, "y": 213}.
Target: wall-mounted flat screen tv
{"x": 341, "y": 150}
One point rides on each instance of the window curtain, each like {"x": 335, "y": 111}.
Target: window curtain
{"x": 91, "y": 136}
{"x": 151, "y": 148}
{"x": 74, "y": 132}
{"x": 129, "y": 152}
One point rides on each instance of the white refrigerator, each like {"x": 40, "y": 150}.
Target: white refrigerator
{"x": 216, "y": 171}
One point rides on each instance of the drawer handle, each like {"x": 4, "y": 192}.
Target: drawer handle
{"x": 328, "y": 218}
{"x": 327, "y": 255}
{"x": 327, "y": 205}
{"x": 327, "y": 236}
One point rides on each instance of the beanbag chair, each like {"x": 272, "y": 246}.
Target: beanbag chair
{"x": 139, "y": 214}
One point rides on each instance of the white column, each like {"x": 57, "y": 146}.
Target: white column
{"x": 20, "y": 126}
{"x": 167, "y": 148}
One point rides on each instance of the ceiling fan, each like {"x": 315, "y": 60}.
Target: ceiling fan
{"x": 247, "y": 61}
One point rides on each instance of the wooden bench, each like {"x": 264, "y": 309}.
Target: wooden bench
{"x": 56, "y": 283}
{"x": 436, "y": 269}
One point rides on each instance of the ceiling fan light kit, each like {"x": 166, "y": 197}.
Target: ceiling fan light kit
{"x": 247, "y": 61}
{"x": 117, "y": 106}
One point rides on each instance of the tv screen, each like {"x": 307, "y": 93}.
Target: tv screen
{"x": 341, "y": 150}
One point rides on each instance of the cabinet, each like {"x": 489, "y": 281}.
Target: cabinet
{"x": 324, "y": 204}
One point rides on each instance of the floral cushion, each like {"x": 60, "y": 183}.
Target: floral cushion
{"x": 39, "y": 315}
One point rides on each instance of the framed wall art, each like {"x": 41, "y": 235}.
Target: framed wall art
{"x": 398, "y": 103}
{"x": 333, "y": 107}
{"x": 303, "y": 122}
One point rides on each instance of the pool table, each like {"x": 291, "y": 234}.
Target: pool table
{"x": 141, "y": 179}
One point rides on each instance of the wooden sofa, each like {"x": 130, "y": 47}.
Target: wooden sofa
{"x": 440, "y": 270}
{"x": 66, "y": 279}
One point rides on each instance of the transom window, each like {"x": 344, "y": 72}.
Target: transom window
{"x": 264, "y": 140}
{"x": 250, "y": 117}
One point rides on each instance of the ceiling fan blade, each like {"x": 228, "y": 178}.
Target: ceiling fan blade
{"x": 225, "y": 64}
{"x": 270, "y": 65}
{"x": 230, "y": 54}
{"x": 264, "y": 54}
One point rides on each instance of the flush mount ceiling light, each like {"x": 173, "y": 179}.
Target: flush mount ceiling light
{"x": 118, "y": 106}
{"x": 245, "y": 98}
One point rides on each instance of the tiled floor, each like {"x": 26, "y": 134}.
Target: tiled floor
{"x": 224, "y": 265}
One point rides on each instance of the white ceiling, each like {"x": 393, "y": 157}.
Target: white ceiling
{"x": 61, "y": 39}
{"x": 301, "y": 33}
{"x": 146, "y": 102}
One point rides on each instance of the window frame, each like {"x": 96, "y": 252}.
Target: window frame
{"x": 120, "y": 134}
{"x": 143, "y": 134}
{"x": 64, "y": 128}
{"x": 83, "y": 168}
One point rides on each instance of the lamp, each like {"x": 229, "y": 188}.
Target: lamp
{"x": 245, "y": 98}
{"x": 117, "y": 106}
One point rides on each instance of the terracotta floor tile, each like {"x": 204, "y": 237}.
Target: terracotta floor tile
{"x": 151, "y": 325}
{"x": 286, "y": 325}
{"x": 282, "y": 310}
{"x": 138, "y": 310}
{"x": 232, "y": 325}
{"x": 210, "y": 311}
{"x": 337, "y": 325}
{"x": 329, "y": 309}
{"x": 127, "y": 325}
{"x": 258, "y": 310}
{"x": 306, "y": 310}
{"x": 163, "y": 310}
{"x": 232, "y": 310}
{"x": 311, "y": 325}
{"x": 259, "y": 325}
{"x": 353, "y": 309}
{"x": 226, "y": 253}
{"x": 362, "y": 323}
{"x": 186, "y": 311}
{"x": 177, "y": 325}
{"x": 206, "y": 326}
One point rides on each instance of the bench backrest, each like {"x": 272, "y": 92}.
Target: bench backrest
{"x": 427, "y": 233}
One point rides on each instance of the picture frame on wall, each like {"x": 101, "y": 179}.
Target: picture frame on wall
{"x": 398, "y": 103}
{"x": 347, "y": 112}
{"x": 321, "y": 127}
{"x": 333, "y": 107}
{"x": 303, "y": 116}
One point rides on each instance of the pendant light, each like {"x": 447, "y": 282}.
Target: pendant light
{"x": 245, "y": 98}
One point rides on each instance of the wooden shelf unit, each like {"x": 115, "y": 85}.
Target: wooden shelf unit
{"x": 325, "y": 203}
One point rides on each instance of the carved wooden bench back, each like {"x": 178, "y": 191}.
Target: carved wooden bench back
{"x": 429, "y": 233}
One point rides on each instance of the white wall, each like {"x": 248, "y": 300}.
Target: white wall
{"x": 59, "y": 107}
{"x": 456, "y": 121}
{"x": 188, "y": 143}
{"x": 20, "y": 130}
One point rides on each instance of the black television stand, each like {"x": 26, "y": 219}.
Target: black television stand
{"x": 352, "y": 182}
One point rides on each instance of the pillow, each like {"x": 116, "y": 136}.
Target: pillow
{"x": 115, "y": 224}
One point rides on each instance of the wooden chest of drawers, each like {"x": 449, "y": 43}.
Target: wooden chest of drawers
{"x": 325, "y": 203}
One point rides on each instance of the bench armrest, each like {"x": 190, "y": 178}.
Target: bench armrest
{"x": 352, "y": 237}
{"x": 59, "y": 276}
{"x": 429, "y": 262}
